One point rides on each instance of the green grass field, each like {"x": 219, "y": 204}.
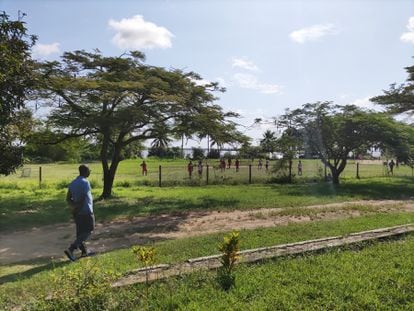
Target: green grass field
{"x": 25, "y": 206}
{"x": 174, "y": 172}
{"x": 378, "y": 276}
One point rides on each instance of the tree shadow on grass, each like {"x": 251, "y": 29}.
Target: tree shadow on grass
{"x": 151, "y": 205}
{"x": 43, "y": 265}
{"x": 19, "y": 213}
{"x": 22, "y": 212}
{"x": 157, "y": 221}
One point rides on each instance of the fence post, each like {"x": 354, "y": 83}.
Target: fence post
{"x": 250, "y": 173}
{"x": 207, "y": 175}
{"x": 159, "y": 176}
{"x": 40, "y": 177}
{"x": 357, "y": 172}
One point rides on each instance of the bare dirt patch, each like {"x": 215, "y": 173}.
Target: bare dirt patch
{"x": 48, "y": 242}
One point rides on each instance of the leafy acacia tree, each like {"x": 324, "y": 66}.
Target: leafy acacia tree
{"x": 218, "y": 134}
{"x": 121, "y": 100}
{"x": 332, "y": 132}
{"x": 399, "y": 98}
{"x": 15, "y": 83}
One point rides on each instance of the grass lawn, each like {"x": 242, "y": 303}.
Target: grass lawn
{"x": 174, "y": 172}
{"x": 379, "y": 276}
{"x": 24, "y": 206}
{"x": 335, "y": 280}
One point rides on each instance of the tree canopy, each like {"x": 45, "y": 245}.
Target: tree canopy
{"x": 399, "y": 98}
{"x": 120, "y": 100}
{"x": 333, "y": 131}
{"x": 16, "y": 81}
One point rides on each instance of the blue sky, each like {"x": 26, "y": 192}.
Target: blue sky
{"x": 270, "y": 55}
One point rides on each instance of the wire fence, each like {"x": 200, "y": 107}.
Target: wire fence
{"x": 210, "y": 172}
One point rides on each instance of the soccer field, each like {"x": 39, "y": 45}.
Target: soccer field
{"x": 174, "y": 172}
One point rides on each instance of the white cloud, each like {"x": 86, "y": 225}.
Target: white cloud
{"x": 313, "y": 33}
{"x": 409, "y": 36}
{"x": 136, "y": 33}
{"x": 249, "y": 81}
{"x": 45, "y": 49}
{"x": 244, "y": 63}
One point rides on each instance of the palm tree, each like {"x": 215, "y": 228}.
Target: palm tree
{"x": 268, "y": 143}
{"x": 162, "y": 140}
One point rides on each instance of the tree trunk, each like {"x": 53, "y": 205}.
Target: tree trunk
{"x": 335, "y": 177}
{"x": 336, "y": 171}
{"x": 182, "y": 147}
{"x": 109, "y": 173}
{"x": 108, "y": 180}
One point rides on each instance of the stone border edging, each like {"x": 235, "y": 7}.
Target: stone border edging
{"x": 253, "y": 255}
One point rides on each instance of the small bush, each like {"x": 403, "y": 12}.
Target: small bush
{"x": 230, "y": 248}
{"x": 86, "y": 287}
{"x": 123, "y": 184}
{"x": 145, "y": 255}
{"x": 62, "y": 184}
{"x": 280, "y": 172}
{"x": 95, "y": 183}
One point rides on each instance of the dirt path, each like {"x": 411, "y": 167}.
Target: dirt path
{"x": 48, "y": 242}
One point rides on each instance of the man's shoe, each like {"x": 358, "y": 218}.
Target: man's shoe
{"x": 70, "y": 255}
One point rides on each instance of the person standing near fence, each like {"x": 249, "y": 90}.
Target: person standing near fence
{"x": 267, "y": 165}
{"x": 237, "y": 165}
{"x": 391, "y": 165}
{"x": 79, "y": 198}
{"x": 200, "y": 168}
{"x": 222, "y": 165}
{"x": 260, "y": 165}
{"x": 190, "y": 167}
{"x": 144, "y": 168}
{"x": 229, "y": 163}
{"x": 300, "y": 168}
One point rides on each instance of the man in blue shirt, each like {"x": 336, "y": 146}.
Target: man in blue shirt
{"x": 79, "y": 198}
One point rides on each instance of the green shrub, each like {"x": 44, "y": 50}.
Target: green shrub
{"x": 124, "y": 184}
{"x": 85, "y": 287}
{"x": 62, "y": 184}
{"x": 230, "y": 248}
{"x": 145, "y": 255}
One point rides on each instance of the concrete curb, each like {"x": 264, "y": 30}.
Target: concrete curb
{"x": 253, "y": 255}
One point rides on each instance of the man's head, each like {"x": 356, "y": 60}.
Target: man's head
{"x": 84, "y": 170}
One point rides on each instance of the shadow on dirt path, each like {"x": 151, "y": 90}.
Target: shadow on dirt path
{"x": 48, "y": 242}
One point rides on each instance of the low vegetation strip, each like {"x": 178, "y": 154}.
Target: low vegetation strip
{"x": 253, "y": 255}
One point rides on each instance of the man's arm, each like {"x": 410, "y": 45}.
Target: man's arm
{"x": 74, "y": 206}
